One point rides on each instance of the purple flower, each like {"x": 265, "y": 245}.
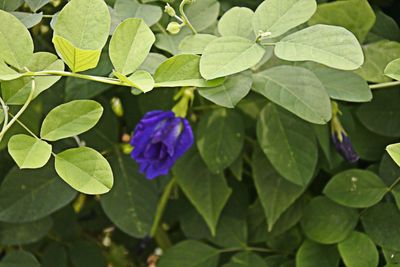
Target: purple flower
{"x": 344, "y": 147}
{"x": 159, "y": 140}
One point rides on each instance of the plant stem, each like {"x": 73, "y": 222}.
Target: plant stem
{"x": 384, "y": 85}
{"x": 19, "y": 113}
{"x": 184, "y": 17}
{"x": 162, "y": 239}
{"x": 161, "y": 207}
{"x": 5, "y": 111}
{"x": 25, "y": 127}
{"x": 392, "y": 186}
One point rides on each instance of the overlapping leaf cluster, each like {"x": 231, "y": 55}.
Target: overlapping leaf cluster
{"x": 262, "y": 187}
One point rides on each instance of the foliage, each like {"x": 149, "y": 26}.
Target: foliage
{"x": 295, "y": 115}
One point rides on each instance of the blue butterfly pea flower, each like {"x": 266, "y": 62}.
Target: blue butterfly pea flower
{"x": 159, "y": 140}
{"x": 345, "y": 147}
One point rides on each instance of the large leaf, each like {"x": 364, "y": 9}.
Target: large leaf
{"x": 132, "y": 202}
{"x": 81, "y": 31}
{"x": 16, "y": 45}
{"x": 182, "y": 70}
{"x": 288, "y": 143}
{"x": 203, "y": 14}
{"x": 246, "y": 259}
{"x": 85, "y": 170}
{"x": 206, "y": 191}
{"x": 356, "y": 188}
{"x": 130, "y": 45}
{"x": 19, "y": 258}
{"x": 229, "y": 55}
{"x": 237, "y": 21}
{"x": 278, "y": 16}
{"x": 326, "y": 222}
{"x": 29, "y": 19}
{"x": 195, "y": 44}
{"x": 29, "y": 152}
{"x": 71, "y": 119}
{"x": 24, "y": 233}
{"x": 312, "y": 254}
{"x": 355, "y": 15}
{"x": 10, "y": 5}
{"x": 16, "y": 92}
{"x": 133, "y": 9}
{"x": 35, "y": 5}
{"x": 30, "y": 195}
{"x": 275, "y": 192}
{"x": 381, "y": 223}
{"x": 333, "y": 46}
{"x": 228, "y": 94}
{"x": 365, "y": 254}
{"x": 297, "y": 90}
{"x": 221, "y": 146}
{"x": 7, "y": 73}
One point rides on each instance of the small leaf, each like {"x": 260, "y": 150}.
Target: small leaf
{"x": 71, "y": 119}
{"x": 246, "y": 259}
{"x": 332, "y": 46}
{"x": 229, "y": 55}
{"x": 141, "y": 80}
{"x": 312, "y": 254}
{"x": 394, "y": 152}
{"x": 356, "y": 188}
{"x": 29, "y": 19}
{"x": 35, "y": 5}
{"x": 7, "y": 73}
{"x": 19, "y": 258}
{"x": 278, "y": 16}
{"x": 133, "y": 9}
{"x": 297, "y": 90}
{"x": 10, "y": 5}
{"x": 130, "y": 45}
{"x": 203, "y": 14}
{"x": 326, "y": 222}
{"x": 365, "y": 254}
{"x": 85, "y": 169}
{"x": 237, "y": 21}
{"x": 392, "y": 70}
{"x": 288, "y": 143}
{"x": 195, "y": 44}
{"x": 228, "y": 94}
{"x": 182, "y": 70}
{"x": 29, "y": 152}
{"x": 190, "y": 253}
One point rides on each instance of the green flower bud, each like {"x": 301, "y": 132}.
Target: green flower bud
{"x": 170, "y": 10}
{"x": 174, "y": 27}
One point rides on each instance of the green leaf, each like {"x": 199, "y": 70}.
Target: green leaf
{"x": 195, "y": 44}
{"x": 182, "y": 70}
{"x": 229, "y": 55}
{"x": 332, "y": 46}
{"x": 1, "y": 116}
{"x": 55, "y": 254}
{"x": 394, "y": 152}
{"x": 86, "y": 254}
{"x": 358, "y": 250}
{"x": 206, "y": 191}
{"x": 203, "y": 14}
{"x": 326, "y": 222}
{"x": 228, "y": 94}
{"x": 278, "y": 17}
{"x": 381, "y": 115}
{"x": 80, "y": 32}
{"x": 170, "y": 43}
{"x": 288, "y": 143}
{"x": 392, "y": 70}
{"x": 219, "y": 148}
{"x": 29, "y": 19}
{"x": 377, "y": 56}
{"x": 355, "y": 15}
{"x": 237, "y": 21}
{"x": 381, "y": 223}
{"x": 85, "y": 170}
{"x": 19, "y": 258}
{"x": 133, "y": 9}
{"x": 7, "y": 73}
{"x": 29, "y": 195}
{"x": 190, "y": 253}
{"x": 152, "y": 62}
{"x": 141, "y": 80}
{"x": 16, "y": 45}
{"x": 16, "y": 92}
{"x": 35, "y": 5}
{"x": 356, "y": 188}
{"x": 130, "y": 45}
{"x": 385, "y": 28}
{"x": 246, "y": 259}
{"x": 29, "y": 152}
{"x": 297, "y": 90}
{"x": 24, "y": 233}
{"x": 343, "y": 85}
{"x": 132, "y": 202}
{"x": 276, "y": 193}
{"x": 10, "y": 5}
{"x": 70, "y": 119}
{"x": 312, "y": 254}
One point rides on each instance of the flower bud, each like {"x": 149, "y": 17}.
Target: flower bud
{"x": 170, "y": 10}
{"x": 174, "y": 28}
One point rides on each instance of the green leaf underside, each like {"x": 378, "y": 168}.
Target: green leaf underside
{"x": 85, "y": 170}
{"x": 312, "y": 254}
{"x": 394, "y": 152}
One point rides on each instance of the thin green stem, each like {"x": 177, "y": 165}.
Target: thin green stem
{"x": 393, "y": 185}
{"x": 384, "y": 85}
{"x": 162, "y": 239}
{"x": 255, "y": 249}
{"x": 161, "y": 207}
{"x": 5, "y": 111}
{"x": 184, "y": 17}
{"x": 21, "y": 111}
{"x": 25, "y": 127}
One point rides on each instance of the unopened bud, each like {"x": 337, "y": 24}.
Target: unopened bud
{"x": 174, "y": 27}
{"x": 170, "y": 10}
